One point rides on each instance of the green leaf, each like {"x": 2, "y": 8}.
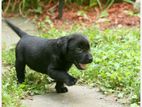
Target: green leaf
{"x": 134, "y": 105}
{"x": 104, "y": 13}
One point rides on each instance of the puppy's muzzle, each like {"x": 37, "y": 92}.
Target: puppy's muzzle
{"x": 90, "y": 58}
{"x": 87, "y": 59}
{"x": 82, "y": 64}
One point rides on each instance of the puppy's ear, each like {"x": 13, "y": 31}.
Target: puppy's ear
{"x": 62, "y": 43}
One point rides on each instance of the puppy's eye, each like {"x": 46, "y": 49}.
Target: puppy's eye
{"x": 79, "y": 50}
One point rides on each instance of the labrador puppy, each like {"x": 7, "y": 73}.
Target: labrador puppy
{"x": 53, "y": 57}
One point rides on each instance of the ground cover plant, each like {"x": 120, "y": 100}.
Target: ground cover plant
{"x": 115, "y": 68}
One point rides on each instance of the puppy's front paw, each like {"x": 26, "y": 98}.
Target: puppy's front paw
{"x": 20, "y": 81}
{"x": 71, "y": 81}
{"x": 62, "y": 90}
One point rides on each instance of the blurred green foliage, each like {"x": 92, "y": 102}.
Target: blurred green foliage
{"x": 35, "y": 6}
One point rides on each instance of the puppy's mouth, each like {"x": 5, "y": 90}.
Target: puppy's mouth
{"x": 80, "y": 66}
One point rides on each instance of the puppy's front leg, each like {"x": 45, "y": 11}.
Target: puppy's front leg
{"x": 62, "y": 76}
{"x": 60, "y": 88}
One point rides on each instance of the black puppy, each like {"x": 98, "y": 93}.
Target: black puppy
{"x": 51, "y": 56}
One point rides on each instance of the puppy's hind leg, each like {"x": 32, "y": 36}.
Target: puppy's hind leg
{"x": 60, "y": 88}
{"x": 20, "y": 70}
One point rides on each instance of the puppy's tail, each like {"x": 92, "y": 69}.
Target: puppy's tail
{"x": 18, "y": 31}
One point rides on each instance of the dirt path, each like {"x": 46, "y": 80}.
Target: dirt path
{"x": 78, "y": 96}
{"x": 9, "y": 37}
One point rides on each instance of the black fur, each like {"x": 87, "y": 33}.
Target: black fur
{"x": 51, "y": 56}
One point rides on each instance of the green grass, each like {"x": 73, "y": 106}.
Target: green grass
{"x": 115, "y": 68}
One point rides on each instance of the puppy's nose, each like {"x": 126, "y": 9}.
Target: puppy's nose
{"x": 90, "y": 58}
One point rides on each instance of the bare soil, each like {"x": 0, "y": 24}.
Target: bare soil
{"x": 119, "y": 14}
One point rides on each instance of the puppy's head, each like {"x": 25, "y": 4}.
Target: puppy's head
{"x": 76, "y": 50}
